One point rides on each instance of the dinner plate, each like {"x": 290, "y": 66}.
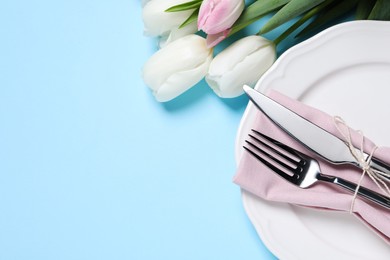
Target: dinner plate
{"x": 345, "y": 71}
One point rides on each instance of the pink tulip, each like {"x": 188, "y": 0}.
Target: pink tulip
{"x": 216, "y": 16}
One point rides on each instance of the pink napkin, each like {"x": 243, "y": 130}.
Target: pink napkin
{"x": 256, "y": 178}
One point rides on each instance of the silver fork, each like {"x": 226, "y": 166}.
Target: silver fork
{"x": 300, "y": 169}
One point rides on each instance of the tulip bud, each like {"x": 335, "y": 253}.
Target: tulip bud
{"x": 176, "y": 33}
{"x": 177, "y": 67}
{"x": 242, "y": 63}
{"x": 157, "y": 22}
{"x": 216, "y": 16}
{"x": 144, "y": 2}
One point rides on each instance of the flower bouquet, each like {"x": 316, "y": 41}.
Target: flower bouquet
{"x": 189, "y": 31}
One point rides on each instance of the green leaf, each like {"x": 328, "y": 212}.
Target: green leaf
{"x": 255, "y": 11}
{"x": 185, "y": 6}
{"x": 363, "y": 9}
{"x": 308, "y": 15}
{"x": 192, "y": 18}
{"x": 334, "y": 12}
{"x": 293, "y": 9}
{"x": 380, "y": 11}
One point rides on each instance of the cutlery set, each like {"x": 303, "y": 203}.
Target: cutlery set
{"x": 297, "y": 167}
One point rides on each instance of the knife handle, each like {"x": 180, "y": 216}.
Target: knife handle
{"x": 381, "y": 166}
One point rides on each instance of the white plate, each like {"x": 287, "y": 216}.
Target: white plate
{"x": 344, "y": 71}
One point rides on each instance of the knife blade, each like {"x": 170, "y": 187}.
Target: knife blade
{"x": 310, "y": 135}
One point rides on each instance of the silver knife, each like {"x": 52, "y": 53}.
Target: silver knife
{"x": 310, "y": 135}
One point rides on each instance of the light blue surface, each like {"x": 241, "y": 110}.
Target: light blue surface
{"x": 91, "y": 166}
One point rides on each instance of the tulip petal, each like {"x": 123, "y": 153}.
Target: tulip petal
{"x": 213, "y": 39}
{"x": 175, "y": 86}
{"x": 177, "y": 67}
{"x": 241, "y": 63}
{"x": 216, "y": 16}
{"x": 158, "y": 22}
{"x": 177, "y": 33}
{"x": 204, "y": 13}
{"x": 230, "y": 84}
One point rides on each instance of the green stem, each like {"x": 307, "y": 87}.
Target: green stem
{"x": 301, "y": 21}
{"x": 291, "y": 29}
{"x": 255, "y": 11}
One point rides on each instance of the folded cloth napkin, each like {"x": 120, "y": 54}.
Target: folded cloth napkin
{"x": 256, "y": 178}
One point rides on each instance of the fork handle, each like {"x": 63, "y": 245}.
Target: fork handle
{"x": 363, "y": 192}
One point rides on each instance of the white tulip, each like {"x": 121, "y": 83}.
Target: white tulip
{"x": 177, "y": 67}
{"x": 157, "y": 22}
{"x": 242, "y": 63}
{"x": 177, "y": 33}
{"x": 144, "y": 2}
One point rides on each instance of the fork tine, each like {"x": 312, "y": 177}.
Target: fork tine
{"x": 271, "y": 148}
{"x": 280, "y": 172}
{"x": 279, "y": 144}
{"x": 273, "y": 158}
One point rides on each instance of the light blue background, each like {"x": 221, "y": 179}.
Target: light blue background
{"x": 91, "y": 166}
